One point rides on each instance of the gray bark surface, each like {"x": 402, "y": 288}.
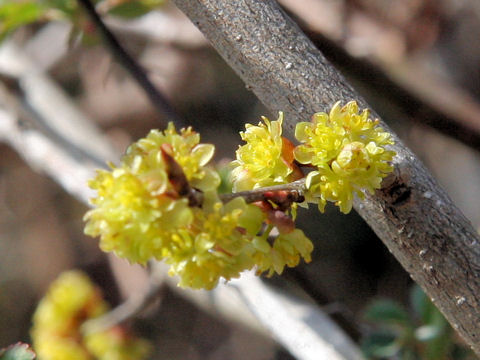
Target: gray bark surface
{"x": 412, "y": 215}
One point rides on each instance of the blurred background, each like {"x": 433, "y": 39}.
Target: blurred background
{"x": 416, "y": 63}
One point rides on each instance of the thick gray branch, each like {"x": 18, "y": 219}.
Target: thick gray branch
{"x": 414, "y": 217}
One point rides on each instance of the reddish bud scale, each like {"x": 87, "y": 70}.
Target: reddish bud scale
{"x": 284, "y": 199}
{"x": 276, "y": 217}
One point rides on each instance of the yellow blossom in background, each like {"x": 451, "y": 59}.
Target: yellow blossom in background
{"x": 70, "y": 295}
{"x": 52, "y": 347}
{"x": 348, "y": 150}
{"x": 116, "y": 344}
{"x": 71, "y": 300}
{"x": 265, "y": 159}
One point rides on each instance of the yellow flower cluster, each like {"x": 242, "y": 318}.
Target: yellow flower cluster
{"x": 138, "y": 204}
{"x": 71, "y": 300}
{"x": 348, "y": 151}
{"x": 266, "y": 159}
{"x": 162, "y": 201}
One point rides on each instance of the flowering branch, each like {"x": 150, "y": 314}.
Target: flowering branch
{"x": 295, "y": 191}
{"x": 412, "y": 215}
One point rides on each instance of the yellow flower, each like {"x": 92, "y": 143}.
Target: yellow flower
{"x": 348, "y": 150}
{"x": 71, "y": 300}
{"x": 287, "y": 250}
{"x": 218, "y": 243}
{"x": 140, "y": 214}
{"x": 138, "y": 205}
{"x": 51, "y": 347}
{"x": 265, "y": 159}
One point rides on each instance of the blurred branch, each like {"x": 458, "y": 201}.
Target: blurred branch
{"x": 158, "y": 100}
{"x": 42, "y": 125}
{"x": 412, "y": 215}
{"x": 422, "y": 98}
{"x": 305, "y": 331}
{"x": 132, "y": 307}
{"x": 171, "y": 27}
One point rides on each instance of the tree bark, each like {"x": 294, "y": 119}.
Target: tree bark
{"x": 412, "y": 215}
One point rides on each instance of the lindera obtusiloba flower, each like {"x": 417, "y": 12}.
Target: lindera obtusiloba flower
{"x": 347, "y": 150}
{"x": 266, "y": 159}
{"x": 162, "y": 201}
{"x": 70, "y": 300}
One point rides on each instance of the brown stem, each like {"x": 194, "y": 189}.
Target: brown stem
{"x": 295, "y": 189}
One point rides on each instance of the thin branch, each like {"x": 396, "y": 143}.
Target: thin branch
{"x": 295, "y": 189}
{"x": 45, "y": 128}
{"x": 412, "y": 215}
{"x": 158, "y": 100}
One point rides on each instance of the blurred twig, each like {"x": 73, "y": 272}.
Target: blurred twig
{"x": 421, "y": 97}
{"x": 302, "y": 328}
{"x": 158, "y": 100}
{"x": 169, "y": 26}
{"x": 40, "y": 122}
{"x": 132, "y": 307}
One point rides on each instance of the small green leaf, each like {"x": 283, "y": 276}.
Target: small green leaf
{"x": 225, "y": 181}
{"x": 130, "y": 9}
{"x": 386, "y": 312}
{"x": 419, "y": 302}
{"x": 381, "y": 345}
{"x": 18, "y": 351}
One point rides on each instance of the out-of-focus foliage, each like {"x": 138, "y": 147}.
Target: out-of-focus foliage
{"x": 18, "y": 351}
{"x": 132, "y": 8}
{"x": 418, "y": 333}
{"x": 14, "y": 14}
{"x": 17, "y": 13}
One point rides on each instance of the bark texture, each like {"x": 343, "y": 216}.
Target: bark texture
{"x": 412, "y": 215}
